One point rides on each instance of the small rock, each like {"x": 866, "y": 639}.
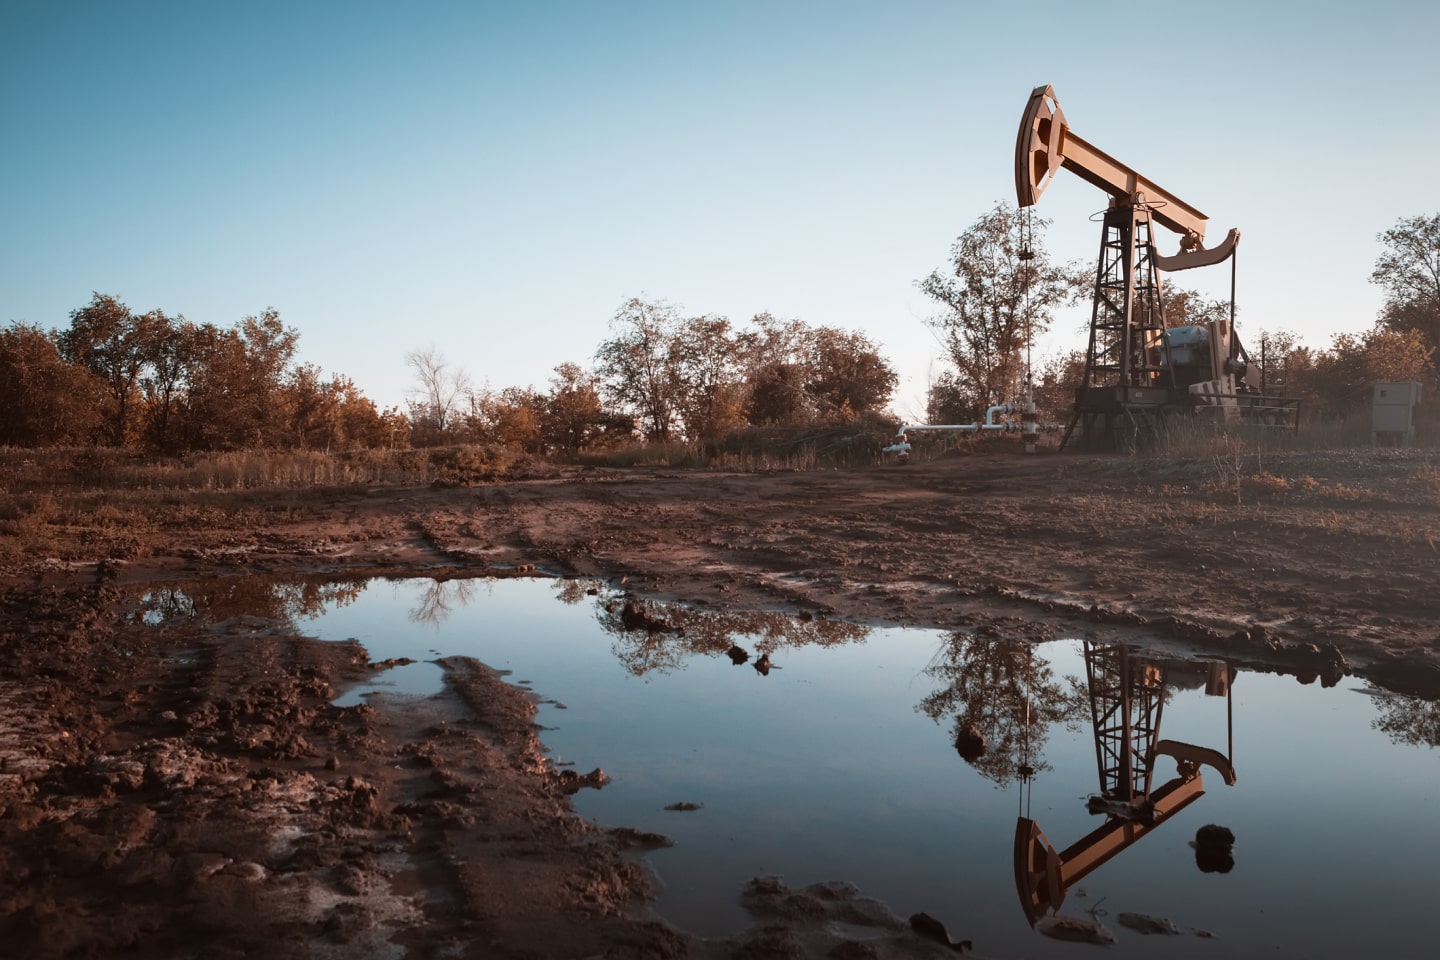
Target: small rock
{"x": 1074, "y": 929}
{"x": 630, "y": 837}
{"x": 685, "y": 806}
{"x": 246, "y": 870}
{"x": 833, "y": 890}
{"x": 928, "y": 927}
{"x": 765, "y": 886}
{"x": 572, "y": 782}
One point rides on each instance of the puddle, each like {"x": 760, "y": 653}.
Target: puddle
{"x": 841, "y": 763}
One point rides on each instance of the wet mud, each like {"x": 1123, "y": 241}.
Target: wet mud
{"x": 188, "y": 787}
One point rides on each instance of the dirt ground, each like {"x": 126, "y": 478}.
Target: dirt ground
{"x": 189, "y": 789}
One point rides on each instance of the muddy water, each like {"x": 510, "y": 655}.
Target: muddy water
{"x": 840, "y": 763}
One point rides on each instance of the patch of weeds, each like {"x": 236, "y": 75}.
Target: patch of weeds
{"x": 197, "y": 515}
{"x": 28, "y": 515}
{"x": 1338, "y": 491}
{"x": 1264, "y": 483}
{"x": 1426, "y": 480}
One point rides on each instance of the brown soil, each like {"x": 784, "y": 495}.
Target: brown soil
{"x": 191, "y": 790}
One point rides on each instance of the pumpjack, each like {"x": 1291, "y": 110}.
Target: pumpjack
{"x": 1138, "y": 370}
{"x": 1127, "y": 696}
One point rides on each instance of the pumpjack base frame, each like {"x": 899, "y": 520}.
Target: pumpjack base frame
{"x": 1127, "y": 418}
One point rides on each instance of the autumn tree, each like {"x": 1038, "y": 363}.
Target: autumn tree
{"x": 777, "y": 395}
{"x": 636, "y": 366}
{"x": 1342, "y": 377}
{"x": 168, "y": 363}
{"x": 700, "y": 377}
{"x": 846, "y": 375}
{"x": 796, "y": 373}
{"x": 234, "y": 397}
{"x": 357, "y": 423}
{"x": 1409, "y": 272}
{"x": 513, "y": 417}
{"x": 573, "y": 415}
{"x": 316, "y": 408}
{"x": 44, "y": 400}
{"x": 115, "y": 344}
{"x": 116, "y": 377}
{"x": 776, "y": 357}
{"x": 706, "y": 364}
{"x": 263, "y": 349}
{"x": 996, "y": 295}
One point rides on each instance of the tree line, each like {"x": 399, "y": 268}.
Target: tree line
{"x": 661, "y": 377}
{"x": 161, "y": 384}
{"x": 152, "y": 382}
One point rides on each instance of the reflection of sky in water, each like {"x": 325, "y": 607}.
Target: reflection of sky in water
{"x": 825, "y": 770}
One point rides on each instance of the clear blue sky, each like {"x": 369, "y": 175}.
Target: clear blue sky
{"x": 496, "y": 179}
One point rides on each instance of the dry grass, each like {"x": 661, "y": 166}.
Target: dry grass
{"x": 760, "y": 449}
{"x": 1426, "y": 482}
{"x": 66, "y": 503}
{"x": 102, "y": 502}
{"x": 109, "y": 469}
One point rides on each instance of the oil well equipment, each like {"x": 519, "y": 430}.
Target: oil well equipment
{"x": 1140, "y": 372}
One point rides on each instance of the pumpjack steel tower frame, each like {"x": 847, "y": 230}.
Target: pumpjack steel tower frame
{"x": 1130, "y": 379}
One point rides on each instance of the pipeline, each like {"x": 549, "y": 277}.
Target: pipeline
{"x": 1029, "y": 425}
{"x": 901, "y": 446}
{"x": 989, "y": 423}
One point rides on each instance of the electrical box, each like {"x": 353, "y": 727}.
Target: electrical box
{"x": 1394, "y": 410}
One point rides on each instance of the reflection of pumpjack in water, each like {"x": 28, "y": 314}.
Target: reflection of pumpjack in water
{"x": 1126, "y": 701}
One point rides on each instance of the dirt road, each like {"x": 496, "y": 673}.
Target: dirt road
{"x": 191, "y": 789}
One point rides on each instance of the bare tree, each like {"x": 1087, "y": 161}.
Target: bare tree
{"x": 442, "y": 388}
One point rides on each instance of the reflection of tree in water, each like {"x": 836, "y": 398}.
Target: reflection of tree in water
{"x": 658, "y": 636}
{"x": 992, "y": 683}
{"x": 441, "y": 597}
{"x": 570, "y": 592}
{"x": 213, "y": 600}
{"x": 1409, "y": 721}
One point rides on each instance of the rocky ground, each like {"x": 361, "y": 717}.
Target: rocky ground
{"x": 189, "y": 788}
